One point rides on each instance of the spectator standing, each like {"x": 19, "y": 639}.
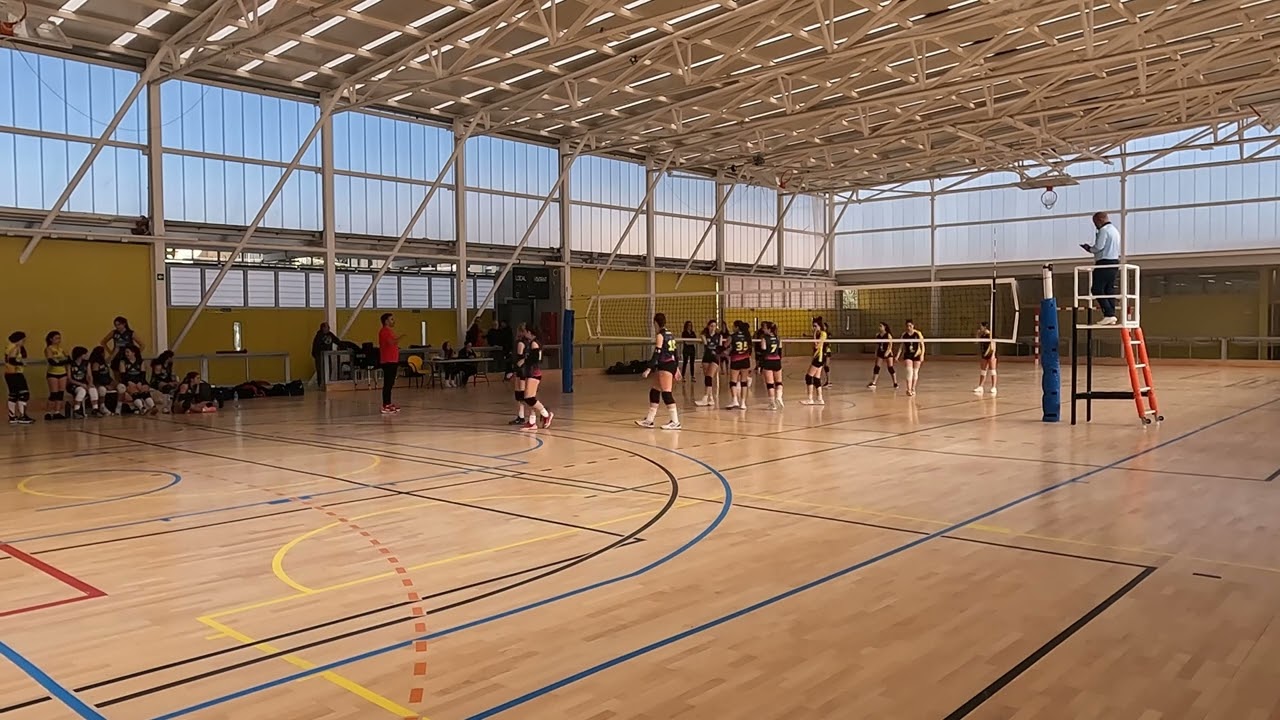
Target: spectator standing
{"x": 473, "y": 334}
{"x": 1106, "y": 258}
{"x": 324, "y": 341}
{"x": 389, "y": 356}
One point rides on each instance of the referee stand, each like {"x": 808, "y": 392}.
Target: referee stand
{"x": 1142, "y": 390}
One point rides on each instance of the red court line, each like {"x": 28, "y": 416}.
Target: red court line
{"x": 87, "y": 591}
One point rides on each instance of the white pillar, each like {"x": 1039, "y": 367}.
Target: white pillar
{"x": 329, "y": 224}
{"x": 155, "y": 192}
{"x": 719, "y": 221}
{"x": 782, "y": 208}
{"x": 1124, "y": 209}
{"x": 460, "y": 135}
{"x": 653, "y": 178}
{"x": 566, "y": 228}
{"x": 833, "y": 232}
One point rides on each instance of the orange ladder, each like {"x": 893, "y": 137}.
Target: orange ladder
{"x": 1144, "y": 388}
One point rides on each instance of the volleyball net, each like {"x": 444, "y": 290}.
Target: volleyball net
{"x": 947, "y": 311}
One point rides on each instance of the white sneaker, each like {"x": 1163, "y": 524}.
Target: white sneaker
{"x": 780, "y": 404}
{"x": 1108, "y": 321}
{"x": 704, "y": 402}
{"x": 673, "y": 425}
{"x": 732, "y": 406}
{"x": 977, "y": 390}
{"x": 773, "y": 406}
{"x": 645, "y": 423}
{"x": 993, "y": 391}
{"x": 807, "y": 401}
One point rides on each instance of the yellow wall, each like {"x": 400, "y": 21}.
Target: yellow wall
{"x": 291, "y": 330}
{"x": 76, "y": 287}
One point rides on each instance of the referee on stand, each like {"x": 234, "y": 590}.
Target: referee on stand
{"x": 1106, "y": 256}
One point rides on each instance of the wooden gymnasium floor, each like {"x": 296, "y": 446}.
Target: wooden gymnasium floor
{"x": 943, "y": 558}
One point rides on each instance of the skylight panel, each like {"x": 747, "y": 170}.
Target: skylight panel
{"x": 522, "y": 76}
{"x": 428, "y": 18}
{"x": 305, "y": 76}
{"x": 339, "y": 60}
{"x": 365, "y": 5}
{"x": 476, "y": 93}
{"x": 579, "y": 56}
{"x": 529, "y": 46}
{"x": 124, "y": 39}
{"x": 443, "y": 105}
{"x": 153, "y": 18}
{"x": 283, "y": 47}
{"x": 324, "y": 26}
{"x": 648, "y": 80}
{"x": 693, "y": 14}
{"x": 250, "y": 65}
{"x": 222, "y": 33}
{"x": 382, "y": 40}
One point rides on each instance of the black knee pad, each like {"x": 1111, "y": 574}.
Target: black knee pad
{"x": 668, "y": 398}
{"x": 892, "y": 371}
{"x": 519, "y": 395}
{"x": 808, "y": 379}
{"x": 768, "y": 386}
{"x": 23, "y": 396}
{"x": 654, "y": 395}
{"x": 56, "y": 396}
{"x": 733, "y": 383}
{"x": 875, "y": 370}
{"x": 706, "y": 380}
{"x": 531, "y": 401}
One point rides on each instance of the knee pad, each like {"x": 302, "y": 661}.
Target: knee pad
{"x": 519, "y": 395}
{"x": 80, "y": 394}
{"x": 56, "y": 396}
{"x": 668, "y": 398}
{"x": 875, "y": 370}
{"x": 654, "y": 395}
{"x": 23, "y": 396}
{"x": 733, "y": 383}
{"x": 808, "y": 379}
{"x": 982, "y": 373}
{"x": 93, "y": 393}
{"x": 706, "y": 380}
{"x": 531, "y": 401}
{"x": 892, "y": 371}
{"x": 768, "y": 386}
{"x": 121, "y": 389}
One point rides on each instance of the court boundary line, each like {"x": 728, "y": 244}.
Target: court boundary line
{"x": 699, "y": 537}
{"x": 175, "y": 478}
{"x": 829, "y": 577}
{"x": 53, "y": 687}
{"x": 87, "y": 591}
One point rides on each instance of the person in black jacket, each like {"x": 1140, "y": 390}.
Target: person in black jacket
{"x": 323, "y": 342}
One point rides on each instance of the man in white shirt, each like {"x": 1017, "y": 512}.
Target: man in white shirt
{"x": 1106, "y": 253}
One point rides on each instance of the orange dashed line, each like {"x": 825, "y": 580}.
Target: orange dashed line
{"x": 420, "y": 645}
{"x": 420, "y": 627}
{"x": 420, "y": 669}
{"x": 415, "y": 695}
{"x": 407, "y": 582}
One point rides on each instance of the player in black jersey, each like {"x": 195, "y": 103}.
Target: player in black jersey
{"x": 739, "y": 364}
{"x": 121, "y": 337}
{"x": 771, "y": 363}
{"x": 517, "y": 382}
{"x": 986, "y": 358}
{"x": 78, "y": 382}
{"x": 688, "y": 349}
{"x": 813, "y": 377}
{"x": 664, "y": 366}
{"x": 163, "y": 380}
{"x": 103, "y": 392}
{"x": 911, "y": 353}
{"x": 884, "y": 353}
{"x": 529, "y": 367}
{"x": 133, "y": 378}
{"x": 713, "y": 342}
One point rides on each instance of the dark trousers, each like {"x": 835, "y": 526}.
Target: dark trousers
{"x": 389, "y": 372}
{"x": 1104, "y": 283}
{"x": 686, "y": 366}
{"x": 319, "y": 369}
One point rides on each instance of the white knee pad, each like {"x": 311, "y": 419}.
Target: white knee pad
{"x": 95, "y": 392}
{"x": 79, "y": 393}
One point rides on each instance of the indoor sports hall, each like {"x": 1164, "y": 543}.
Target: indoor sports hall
{"x": 640, "y": 359}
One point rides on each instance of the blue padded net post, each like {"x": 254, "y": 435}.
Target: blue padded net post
{"x": 566, "y": 352}
{"x": 1051, "y": 377}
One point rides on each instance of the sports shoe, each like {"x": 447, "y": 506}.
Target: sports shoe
{"x": 673, "y": 425}
{"x": 530, "y": 425}
{"x": 871, "y": 385}
{"x": 645, "y": 423}
{"x": 773, "y": 406}
{"x": 993, "y": 392}
{"x": 780, "y": 403}
{"x": 25, "y": 420}
{"x": 389, "y": 410}
{"x": 704, "y": 402}
{"x": 516, "y": 421}
{"x": 1109, "y": 320}
{"x": 977, "y": 390}
{"x": 732, "y": 406}
{"x": 911, "y": 393}
{"x": 13, "y": 419}
{"x": 546, "y": 421}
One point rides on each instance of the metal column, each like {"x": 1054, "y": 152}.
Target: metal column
{"x": 460, "y": 135}
{"x": 155, "y": 191}
{"x": 330, "y": 230}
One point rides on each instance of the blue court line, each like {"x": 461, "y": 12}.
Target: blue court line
{"x": 724, "y": 511}
{"x": 535, "y": 694}
{"x": 176, "y": 478}
{"x": 50, "y": 685}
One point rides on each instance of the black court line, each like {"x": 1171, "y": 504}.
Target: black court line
{"x": 627, "y": 539}
{"x": 1026, "y": 664}
{"x": 869, "y": 417}
{"x": 1273, "y": 476}
{"x": 288, "y": 634}
{"x": 1207, "y": 575}
{"x": 379, "y": 488}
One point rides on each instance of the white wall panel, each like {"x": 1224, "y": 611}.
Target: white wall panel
{"x": 808, "y": 213}
{"x": 742, "y": 243}
{"x": 211, "y": 119}
{"x": 885, "y": 214}
{"x": 678, "y": 194}
{"x": 39, "y": 169}
{"x": 511, "y": 166}
{"x": 800, "y": 248}
{"x": 676, "y": 237}
{"x": 1223, "y": 227}
{"x": 598, "y": 229}
{"x": 365, "y": 206}
{"x": 1031, "y": 240}
{"x": 390, "y": 147}
{"x": 606, "y": 181}
{"x": 1001, "y": 203}
{"x": 903, "y": 248}
{"x": 503, "y": 220}
{"x": 222, "y": 192}
{"x": 1204, "y": 185}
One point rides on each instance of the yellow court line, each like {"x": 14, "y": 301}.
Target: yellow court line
{"x": 996, "y": 529}
{"x": 24, "y": 487}
{"x": 333, "y": 677}
{"x": 277, "y": 562}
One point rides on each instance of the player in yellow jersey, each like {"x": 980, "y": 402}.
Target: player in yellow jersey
{"x": 813, "y": 378}
{"x": 911, "y": 353}
{"x": 55, "y": 374}
{"x": 15, "y": 361}
{"x": 986, "y": 358}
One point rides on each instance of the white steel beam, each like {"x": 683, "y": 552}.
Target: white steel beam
{"x": 833, "y": 219}
{"x": 155, "y": 191}
{"x": 326, "y": 109}
{"x": 450, "y": 164}
{"x": 722, "y": 199}
{"x": 461, "y": 131}
{"x": 651, "y": 182}
{"x": 777, "y": 228}
{"x": 558, "y": 186}
{"x": 329, "y": 231}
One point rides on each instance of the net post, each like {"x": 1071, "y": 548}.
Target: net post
{"x": 1075, "y": 361}
{"x": 1051, "y": 376}
{"x": 566, "y": 352}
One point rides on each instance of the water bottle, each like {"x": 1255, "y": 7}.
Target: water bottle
{"x": 236, "y": 400}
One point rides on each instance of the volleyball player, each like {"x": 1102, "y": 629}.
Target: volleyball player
{"x": 133, "y": 378}
{"x": 712, "y": 342}
{"x": 121, "y": 337}
{"x": 665, "y": 368}
{"x": 739, "y": 365}
{"x": 15, "y": 362}
{"x": 986, "y": 358}
{"x": 55, "y": 375}
{"x": 813, "y": 377}
{"x": 911, "y": 353}
{"x": 104, "y": 386}
{"x": 688, "y": 349}
{"x": 884, "y": 353}
{"x": 517, "y": 382}
{"x": 78, "y": 382}
{"x": 826, "y": 357}
{"x": 187, "y": 396}
{"x": 164, "y": 380}
{"x": 529, "y": 367}
{"x": 771, "y": 363}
